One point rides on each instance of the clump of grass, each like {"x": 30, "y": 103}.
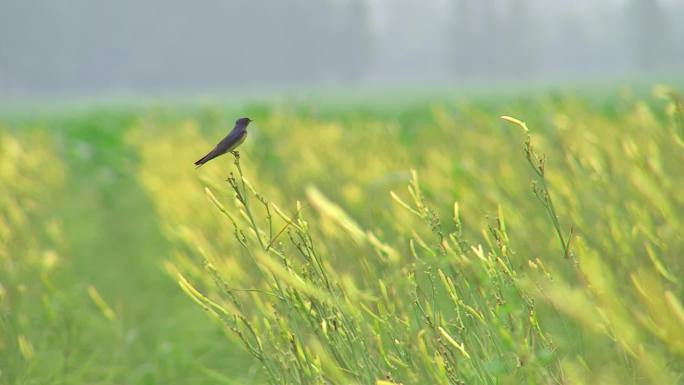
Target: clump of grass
{"x": 642, "y": 320}
{"x": 434, "y": 310}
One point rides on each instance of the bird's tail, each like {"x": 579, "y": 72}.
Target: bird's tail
{"x": 211, "y": 155}
{"x": 201, "y": 161}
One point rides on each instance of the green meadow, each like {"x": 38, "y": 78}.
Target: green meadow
{"x": 373, "y": 241}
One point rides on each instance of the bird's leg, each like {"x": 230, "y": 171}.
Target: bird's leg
{"x": 236, "y": 155}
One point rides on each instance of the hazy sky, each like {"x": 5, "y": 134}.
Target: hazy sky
{"x": 83, "y": 47}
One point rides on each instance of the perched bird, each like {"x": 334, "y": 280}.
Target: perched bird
{"x": 234, "y": 138}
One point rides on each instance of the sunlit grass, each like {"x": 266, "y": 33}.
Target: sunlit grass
{"x": 469, "y": 276}
{"x": 428, "y": 242}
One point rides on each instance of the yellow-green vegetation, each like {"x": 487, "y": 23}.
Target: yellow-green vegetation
{"x": 534, "y": 240}
{"x": 407, "y": 246}
{"x": 29, "y": 239}
{"x": 84, "y": 299}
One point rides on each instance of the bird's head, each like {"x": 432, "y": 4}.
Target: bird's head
{"x": 243, "y": 122}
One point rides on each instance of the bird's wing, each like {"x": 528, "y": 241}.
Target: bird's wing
{"x": 233, "y": 138}
{"x": 237, "y": 140}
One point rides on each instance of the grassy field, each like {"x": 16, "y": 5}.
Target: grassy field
{"x": 416, "y": 242}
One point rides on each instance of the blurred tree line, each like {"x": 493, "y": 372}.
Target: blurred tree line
{"x": 492, "y": 38}
{"x": 177, "y": 44}
{"x": 85, "y": 45}
{"x": 518, "y": 38}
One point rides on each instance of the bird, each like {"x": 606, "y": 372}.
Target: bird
{"x": 234, "y": 138}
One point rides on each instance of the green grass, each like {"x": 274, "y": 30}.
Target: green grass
{"x": 410, "y": 242}
{"x": 109, "y": 238}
